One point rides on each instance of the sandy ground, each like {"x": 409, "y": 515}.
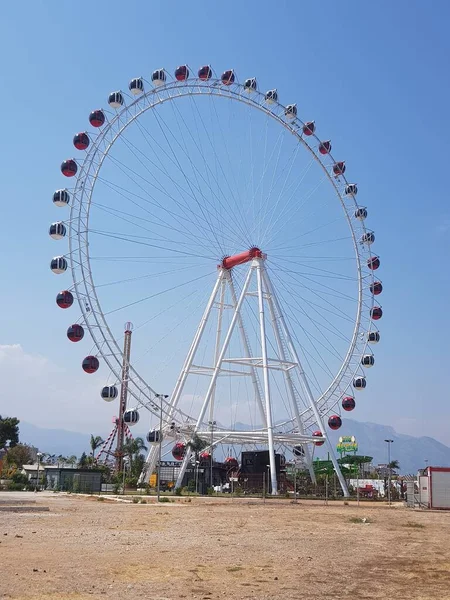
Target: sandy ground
{"x": 237, "y": 549}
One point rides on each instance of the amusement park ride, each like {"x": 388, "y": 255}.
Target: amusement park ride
{"x": 278, "y": 317}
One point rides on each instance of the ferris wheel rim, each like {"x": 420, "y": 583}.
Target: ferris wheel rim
{"x": 192, "y": 87}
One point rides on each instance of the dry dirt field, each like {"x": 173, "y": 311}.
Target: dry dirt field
{"x": 235, "y": 549}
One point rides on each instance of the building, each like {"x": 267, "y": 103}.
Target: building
{"x": 64, "y": 479}
{"x": 434, "y": 488}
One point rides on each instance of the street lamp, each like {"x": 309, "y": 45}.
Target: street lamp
{"x": 389, "y": 442}
{"x": 161, "y": 397}
{"x": 39, "y": 456}
{"x": 212, "y": 424}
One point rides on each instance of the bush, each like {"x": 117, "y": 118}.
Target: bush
{"x": 143, "y": 501}
{"x": 178, "y": 491}
{"x": 19, "y": 477}
{"x": 15, "y": 487}
{"x": 164, "y": 499}
{"x": 210, "y": 491}
{"x": 135, "y": 499}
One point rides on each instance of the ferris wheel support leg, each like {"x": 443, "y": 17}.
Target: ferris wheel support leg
{"x": 150, "y": 461}
{"x": 287, "y": 374}
{"x": 193, "y": 349}
{"x": 217, "y": 368}
{"x": 248, "y": 354}
{"x": 265, "y": 367}
{"x": 217, "y": 345}
{"x": 310, "y": 397}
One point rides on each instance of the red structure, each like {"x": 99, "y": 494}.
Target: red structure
{"x": 239, "y": 259}
{"x": 121, "y": 425}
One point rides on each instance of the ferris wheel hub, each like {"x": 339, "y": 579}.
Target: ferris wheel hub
{"x": 228, "y": 262}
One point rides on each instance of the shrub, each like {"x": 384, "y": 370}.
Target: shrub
{"x": 178, "y": 491}
{"x": 143, "y": 501}
{"x": 15, "y": 487}
{"x": 164, "y": 499}
{"x": 19, "y": 477}
{"x": 135, "y": 499}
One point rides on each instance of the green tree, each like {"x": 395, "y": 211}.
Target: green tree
{"x": 132, "y": 449}
{"x": 394, "y": 465}
{"x": 18, "y": 456}
{"x": 96, "y": 442}
{"x": 196, "y": 445}
{"x": 82, "y": 463}
{"x": 9, "y": 431}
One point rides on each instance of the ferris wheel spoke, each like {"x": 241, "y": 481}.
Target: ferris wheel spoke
{"x": 321, "y": 273}
{"x": 231, "y": 180}
{"x": 201, "y": 207}
{"x": 147, "y": 244}
{"x": 180, "y": 219}
{"x": 156, "y": 294}
{"x": 328, "y": 326}
{"x": 216, "y": 193}
{"x": 147, "y": 136}
{"x": 146, "y": 276}
{"x": 299, "y": 281}
{"x": 290, "y": 211}
{"x": 136, "y": 220}
{"x": 128, "y": 237}
{"x": 286, "y": 171}
{"x": 286, "y": 209}
{"x": 196, "y": 184}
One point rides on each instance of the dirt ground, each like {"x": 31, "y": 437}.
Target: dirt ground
{"x": 235, "y": 549}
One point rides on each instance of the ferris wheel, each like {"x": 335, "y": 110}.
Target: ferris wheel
{"x": 220, "y": 223}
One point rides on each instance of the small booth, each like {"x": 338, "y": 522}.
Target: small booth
{"x": 434, "y": 488}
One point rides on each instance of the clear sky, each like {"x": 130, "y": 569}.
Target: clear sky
{"x": 374, "y": 75}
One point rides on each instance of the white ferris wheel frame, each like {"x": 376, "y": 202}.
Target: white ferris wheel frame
{"x": 78, "y": 234}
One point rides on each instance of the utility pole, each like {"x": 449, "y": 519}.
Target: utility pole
{"x": 39, "y": 455}
{"x": 123, "y": 395}
{"x": 161, "y": 397}
{"x": 211, "y": 423}
{"x": 389, "y": 442}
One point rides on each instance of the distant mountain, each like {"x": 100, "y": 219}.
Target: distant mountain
{"x": 411, "y": 452}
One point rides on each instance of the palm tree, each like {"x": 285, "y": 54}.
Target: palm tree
{"x": 72, "y": 460}
{"x": 132, "y": 449}
{"x": 393, "y": 465}
{"x": 95, "y": 442}
{"x": 196, "y": 444}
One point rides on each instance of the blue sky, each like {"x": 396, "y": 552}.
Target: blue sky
{"x": 375, "y": 76}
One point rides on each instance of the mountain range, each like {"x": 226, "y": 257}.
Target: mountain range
{"x": 411, "y": 452}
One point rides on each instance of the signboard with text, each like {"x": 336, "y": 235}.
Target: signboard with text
{"x": 347, "y": 444}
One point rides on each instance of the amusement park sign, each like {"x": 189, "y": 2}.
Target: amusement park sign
{"x": 347, "y": 444}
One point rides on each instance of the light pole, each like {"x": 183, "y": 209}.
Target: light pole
{"x": 125, "y": 460}
{"x": 161, "y": 397}
{"x": 39, "y": 455}
{"x": 211, "y": 423}
{"x": 389, "y": 442}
